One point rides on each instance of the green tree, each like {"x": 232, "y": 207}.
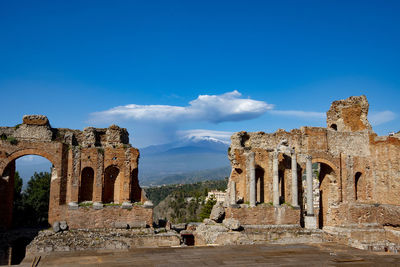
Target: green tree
{"x": 17, "y": 185}
{"x": 18, "y": 207}
{"x": 36, "y": 199}
{"x": 206, "y": 210}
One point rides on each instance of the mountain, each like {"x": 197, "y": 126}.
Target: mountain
{"x": 197, "y": 176}
{"x": 183, "y": 161}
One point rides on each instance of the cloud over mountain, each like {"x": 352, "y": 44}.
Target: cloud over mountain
{"x": 206, "y": 135}
{"x": 209, "y": 108}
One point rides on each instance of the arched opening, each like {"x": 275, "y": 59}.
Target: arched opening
{"x": 328, "y": 192}
{"x": 358, "y": 186}
{"x": 110, "y": 185}
{"x": 136, "y": 193}
{"x": 281, "y": 186}
{"x": 86, "y": 188}
{"x": 260, "y": 184}
{"x": 284, "y": 174}
{"x": 24, "y": 201}
{"x": 25, "y": 191}
{"x": 333, "y": 127}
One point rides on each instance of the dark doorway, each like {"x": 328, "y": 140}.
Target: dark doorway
{"x": 110, "y": 178}
{"x": 86, "y": 189}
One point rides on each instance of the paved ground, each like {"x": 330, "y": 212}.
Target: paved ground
{"x": 256, "y": 255}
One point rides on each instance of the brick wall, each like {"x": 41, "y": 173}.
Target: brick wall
{"x": 88, "y": 217}
{"x": 264, "y": 215}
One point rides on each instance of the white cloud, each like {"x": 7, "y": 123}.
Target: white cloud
{"x": 203, "y": 134}
{"x": 377, "y": 118}
{"x": 300, "y": 114}
{"x": 210, "y": 108}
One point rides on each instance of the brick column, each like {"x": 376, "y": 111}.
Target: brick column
{"x": 275, "y": 181}
{"x": 295, "y": 198}
{"x": 252, "y": 176}
{"x": 310, "y": 200}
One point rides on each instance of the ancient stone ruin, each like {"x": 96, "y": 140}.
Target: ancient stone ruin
{"x": 314, "y": 184}
{"x": 96, "y": 166}
{"x": 342, "y": 178}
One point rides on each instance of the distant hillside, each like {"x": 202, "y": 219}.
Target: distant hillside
{"x": 158, "y": 193}
{"x": 182, "y": 203}
{"x": 189, "y": 177}
{"x": 185, "y": 161}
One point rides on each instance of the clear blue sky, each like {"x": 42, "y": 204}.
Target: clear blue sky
{"x": 76, "y": 61}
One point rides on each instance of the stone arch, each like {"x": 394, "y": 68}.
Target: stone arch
{"x": 7, "y": 172}
{"x": 25, "y": 152}
{"x": 327, "y": 162}
{"x": 86, "y": 185}
{"x": 328, "y": 191}
{"x": 110, "y": 184}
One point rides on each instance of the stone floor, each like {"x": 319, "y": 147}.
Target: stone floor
{"x": 327, "y": 254}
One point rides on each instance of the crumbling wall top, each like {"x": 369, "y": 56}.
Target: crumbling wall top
{"x": 37, "y": 128}
{"x": 35, "y": 120}
{"x": 349, "y": 115}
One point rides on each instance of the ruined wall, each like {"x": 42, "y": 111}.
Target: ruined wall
{"x": 264, "y": 215}
{"x": 356, "y": 167}
{"x": 109, "y": 217}
{"x": 80, "y": 160}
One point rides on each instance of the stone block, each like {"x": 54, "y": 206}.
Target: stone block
{"x": 148, "y": 204}
{"x": 120, "y": 225}
{"x": 98, "y": 205}
{"x": 137, "y": 224}
{"x": 310, "y": 222}
{"x": 56, "y": 227}
{"x": 231, "y": 224}
{"x": 35, "y": 120}
{"x": 126, "y": 205}
{"x": 73, "y": 206}
{"x": 217, "y": 212}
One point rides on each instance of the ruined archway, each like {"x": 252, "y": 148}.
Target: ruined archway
{"x": 111, "y": 182}
{"x": 328, "y": 192}
{"x": 70, "y": 151}
{"x": 7, "y": 182}
{"x": 86, "y": 186}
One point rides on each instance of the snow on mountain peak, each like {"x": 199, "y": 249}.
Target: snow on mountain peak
{"x": 199, "y": 135}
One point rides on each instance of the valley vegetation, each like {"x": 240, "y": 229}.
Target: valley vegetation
{"x": 31, "y": 206}
{"x": 184, "y": 202}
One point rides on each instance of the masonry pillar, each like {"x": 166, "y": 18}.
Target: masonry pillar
{"x": 275, "y": 181}
{"x": 252, "y": 178}
{"x": 295, "y": 199}
{"x": 232, "y": 195}
{"x": 310, "y": 221}
{"x": 98, "y": 182}
{"x": 310, "y": 200}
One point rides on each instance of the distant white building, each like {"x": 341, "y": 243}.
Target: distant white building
{"x": 218, "y": 195}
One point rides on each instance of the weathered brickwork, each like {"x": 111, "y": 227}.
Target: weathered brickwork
{"x": 356, "y": 174}
{"x": 108, "y": 217}
{"x": 95, "y": 165}
{"x": 264, "y": 215}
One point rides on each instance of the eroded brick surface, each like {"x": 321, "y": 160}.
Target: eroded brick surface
{"x": 80, "y": 162}
{"x": 356, "y": 180}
